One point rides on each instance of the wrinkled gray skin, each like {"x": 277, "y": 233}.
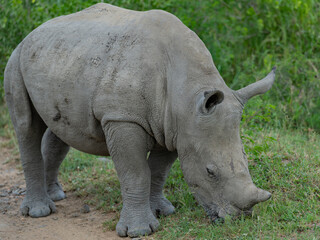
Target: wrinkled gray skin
{"x": 110, "y": 81}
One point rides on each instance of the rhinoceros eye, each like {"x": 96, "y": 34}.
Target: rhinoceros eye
{"x": 212, "y": 171}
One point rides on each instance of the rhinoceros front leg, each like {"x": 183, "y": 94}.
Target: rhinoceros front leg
{"x": 160, "y": 162}
{"x": 53, "y": 151}
{"x": 128, "y": 145}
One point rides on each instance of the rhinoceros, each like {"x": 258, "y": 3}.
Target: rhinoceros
{"x": 142, "y": 88}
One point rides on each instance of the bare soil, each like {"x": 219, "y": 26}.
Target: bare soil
{"x": 69, "y": 222}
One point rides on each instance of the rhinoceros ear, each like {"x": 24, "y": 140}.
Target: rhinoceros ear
{"x": 211, "y": 100}
{"x": 257, "y": 88}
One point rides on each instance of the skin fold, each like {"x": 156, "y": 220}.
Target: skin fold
{"x": 121, "y": 83}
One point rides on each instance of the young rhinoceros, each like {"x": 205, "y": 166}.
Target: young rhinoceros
{"x": 120, "y": 83}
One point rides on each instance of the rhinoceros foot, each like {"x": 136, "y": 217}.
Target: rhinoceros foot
{"x": 55, "y": 192}
{"x": 37, "y": 207}
{"x": 161, "y": 207}
{"x": 134, "y": 224}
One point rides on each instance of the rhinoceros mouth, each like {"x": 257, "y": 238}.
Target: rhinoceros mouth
{"x": 212, "y": 211}
{"x": 217, "y": 214}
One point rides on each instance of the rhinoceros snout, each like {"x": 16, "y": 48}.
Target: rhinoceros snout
{"x": 252, "y": 196}
{"x": 242, "y": 206}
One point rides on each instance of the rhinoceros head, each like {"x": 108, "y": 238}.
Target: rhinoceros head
{"x": 212, "y": 156}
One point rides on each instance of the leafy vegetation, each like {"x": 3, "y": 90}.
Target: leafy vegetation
{"x": 280, "y": 129}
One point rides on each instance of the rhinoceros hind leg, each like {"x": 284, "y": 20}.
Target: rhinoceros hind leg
{"x": 128, "y": 145}
{"x": 53, "y": 151}
{"x": 29, "y": 129}
{"x": 160, "y": 162}
{"x": 36, "y": 202}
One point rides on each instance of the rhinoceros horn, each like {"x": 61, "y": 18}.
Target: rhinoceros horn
{"x": 258, "y": 194}
{"x": 257, "y": 88}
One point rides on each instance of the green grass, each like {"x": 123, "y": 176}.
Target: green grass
{"x": 284, "y": 162}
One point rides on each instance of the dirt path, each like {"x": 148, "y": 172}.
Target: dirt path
{"x": 68, "y": 223}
